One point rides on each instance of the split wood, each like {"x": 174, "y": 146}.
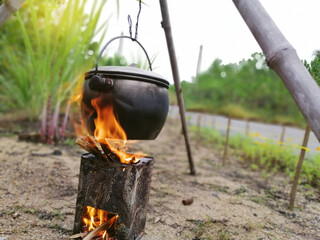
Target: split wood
{"x": 78, "y": 235}
{"x": 89, "y": 235}
{"x": 96, "y": 231}
{"x": 90, "y": 145}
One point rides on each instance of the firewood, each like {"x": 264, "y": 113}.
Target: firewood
{"x": 78, "y": 235}
{"x": 109, "y": 154}
{"x": 87, "y": 144}
{"x": 96, "y": 231}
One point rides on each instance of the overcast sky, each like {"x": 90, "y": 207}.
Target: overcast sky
{"x": 216, "y": 24}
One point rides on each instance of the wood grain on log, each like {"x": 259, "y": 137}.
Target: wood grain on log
{"x": 118, "y": 188}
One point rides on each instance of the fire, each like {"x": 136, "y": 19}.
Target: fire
{"x": 93, "y": 218}
{"x": 109, "y": 133}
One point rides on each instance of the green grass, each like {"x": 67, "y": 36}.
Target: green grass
{"x": 266, "y": 156}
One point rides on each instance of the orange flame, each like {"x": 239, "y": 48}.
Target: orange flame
{"x": 108, "y": 131}
{"x": 93, "y": 218}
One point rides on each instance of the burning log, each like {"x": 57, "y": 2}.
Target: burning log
{"x": 117, "y": 188}
{"x": 88, "y": 144}
{"x": 110, "y": 155}
{"x": 79, "y": 235}
{"x": 96, "y": 231}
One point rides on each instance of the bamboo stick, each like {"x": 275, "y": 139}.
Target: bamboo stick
{"x": 176, "y": 77}
{"x": 225, "y": 152}
{"x": 8, "y": 8}
{"x": 298, "y": 169}
{"x": 282, "y": 57}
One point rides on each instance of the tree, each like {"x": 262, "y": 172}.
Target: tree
{"x": 314, "y": 66}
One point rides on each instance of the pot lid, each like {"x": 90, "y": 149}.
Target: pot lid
{"x": 130, "y": 73}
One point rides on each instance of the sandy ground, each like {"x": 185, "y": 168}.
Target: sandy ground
{"x": 38, "y": 189}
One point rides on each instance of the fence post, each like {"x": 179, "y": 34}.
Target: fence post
{"x": 247, "y": 128}
{"x": 298, "y": 169}
{"x": 226, "y": 143}
{"x": 283, "y": 132}
{"x": 213, "y": 122}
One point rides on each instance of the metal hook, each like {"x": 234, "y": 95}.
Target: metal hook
{"x": 137, "y": 23}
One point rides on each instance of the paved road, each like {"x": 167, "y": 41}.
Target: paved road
{"x": 293, "y": 135}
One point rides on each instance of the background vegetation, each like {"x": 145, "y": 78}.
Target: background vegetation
{"x": 247, "y": 90}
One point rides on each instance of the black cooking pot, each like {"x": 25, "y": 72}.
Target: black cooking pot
{"x": 139, "y": 98}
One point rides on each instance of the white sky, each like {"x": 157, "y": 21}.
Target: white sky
{"x": 216, "y": 24}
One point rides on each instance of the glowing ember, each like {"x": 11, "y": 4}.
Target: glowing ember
{"x": 109, "y": 133}
{"x": 93, "y": 218}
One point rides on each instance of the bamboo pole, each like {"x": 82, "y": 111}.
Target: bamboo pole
{"x": 176, "y": 77}
{"x": 225, "y": 153}
{"x": 199, "y": 62}
{"x": 282, "y": 58}
{"x": 299, "y": 166}
{"x": 8, "y": 8}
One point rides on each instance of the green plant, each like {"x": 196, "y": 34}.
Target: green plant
{"x": 314, "y": 66}
{"x": 266, "y": 155}
{"x": 42, "y": 69}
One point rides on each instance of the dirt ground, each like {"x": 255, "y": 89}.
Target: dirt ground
{"x": 38, "y": 189}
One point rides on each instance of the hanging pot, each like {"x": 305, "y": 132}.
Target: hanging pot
{"x": 139, "y": 97}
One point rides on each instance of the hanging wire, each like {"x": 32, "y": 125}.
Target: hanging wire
{"x": 137, "y": 23}
{"x": 135, "y": 39}
{"x": 130, "y": 25}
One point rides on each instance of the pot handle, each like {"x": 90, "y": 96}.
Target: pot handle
{"x": 115, "y": 38}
